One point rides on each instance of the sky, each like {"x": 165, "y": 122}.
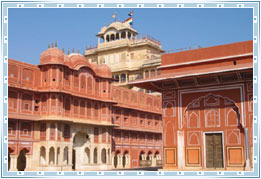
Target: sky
{"x": 31, "y": 30}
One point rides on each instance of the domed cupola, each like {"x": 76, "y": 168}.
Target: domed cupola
{"x": 103, "y": 71}
{"x": 77, "y": 61}
{"x": 52, "y": 56}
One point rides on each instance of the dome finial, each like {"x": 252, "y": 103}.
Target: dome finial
{"x": 78, "y": 51}
{"x": 68, "y": 51}
{"x": 63, "y": 49}
{"x": 73, "y": 50}
{"x": 48, "y": 45}
{"x": 52, "y": 45}
{"x": 55, "y": 44}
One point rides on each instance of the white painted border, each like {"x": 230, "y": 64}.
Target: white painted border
{"x": 213, "y": 88}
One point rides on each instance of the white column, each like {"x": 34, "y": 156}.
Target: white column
{"x": 112, "y": 160}
{"x": 70, "y": 156}
{"x": 91, "y": 155}
{"x": 13, "y": 162}
{"x": 28, "y": 162}
{"x": 55, "y": 156}
{"x": 181, "y": 154}
{"x": 60, "y": 159}
{"x": 47, "y": 156}
{"x": 119, "y": 161}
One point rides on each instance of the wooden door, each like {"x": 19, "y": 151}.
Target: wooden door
{"x": 214, "y": 150}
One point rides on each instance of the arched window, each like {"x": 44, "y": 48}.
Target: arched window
{"x": 103, "y": 155}
{"x": 123, "y": 77}
{"x": 43, "y": 131}
{"x": 83, "y": 83}
{"x": 117, "y": 36}
{"x": 82, "y": 108}
{"x": 67, "y": 106}
{"x": 51, "y": 156}
{"x": 66, "y": 133}
{"x": 76, "y": 107}
{"x": 112, "y": 37}
{"x": 66, "y": 155}
{"x": 152, "y": 73}
{"x": 107, "y": 38}
{"x": 96, "y": 134}
{"x": 42, "y": 156}
{"x": 52, "y": 132}
{"x": 103, "y": 135}
{"x": 89, "y": 83}
{"x": 123, "y": 35}
{"x": 117, "y": 79}
{"x": 95, "y": 158}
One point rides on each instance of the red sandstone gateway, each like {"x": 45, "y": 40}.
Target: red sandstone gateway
{"x": 64, "y": 114}
{"x": 207, "y": 97}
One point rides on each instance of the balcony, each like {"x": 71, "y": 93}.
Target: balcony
{"x": 139, "y": 40}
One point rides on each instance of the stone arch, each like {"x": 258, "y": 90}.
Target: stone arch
{"x": 95, "y": 156}
{"x": 21, "y": 160}
{"x": 231, "y": 118}
{"x": 66, "y": 155}
{"x": 103, "y": 156}
{"x": 168, "y": 109}
{"x": 193, "y": 120}
{"x": 83, "y": 82}
{"x": 123, "y": 77}
{"x": 233, "y": 138}
{"x": 193, "y": 139}
{"x": 87, "y": 155}
{"x": 170, "y": 132}
{"x": 58, "y": 156}
{"x": 42, "y": 156}
{"x": 115, "y": 158}
{"x": 215, "y": 103}
{"x": 51, "y": 156}
{"x": 125, "y": 158}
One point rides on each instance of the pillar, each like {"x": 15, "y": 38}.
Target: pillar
{"x": 13, "y": 162}
{"x": 247, "y": 153}
{"x": 28, "y": 162}
{"x": 60, "y": 159}
{"x": 70, "y": 156}
{"x": 91, "y": 155}
{"x": 112, "y": 160}
{"x": 181, "y": 154}
{"x": 47, "y": 156}
{"x": 119, "y": 161}
{"x": 55, "y": 156}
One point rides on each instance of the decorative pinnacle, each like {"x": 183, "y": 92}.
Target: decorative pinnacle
{"x": 55, "y": 44}
{"x": 52, "y": 45}
{"x": 63, "y": 49}
{"x": 68, "y": 51}
{"x": 78, "y": 51}
{"x": 48, "y": 45}
{"x": 73, "y": 50}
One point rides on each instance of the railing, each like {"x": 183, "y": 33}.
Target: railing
{"x": 182, "y": 49}
{"x": 91, "y": 47}
{"x": 126, "y": 41}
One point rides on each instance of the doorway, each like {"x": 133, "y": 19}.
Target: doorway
{"x": 73, "y": 159}
{"x": 214, "y": 150}
{"x": 21, "y": 160}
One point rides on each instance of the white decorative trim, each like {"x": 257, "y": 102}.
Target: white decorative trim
{"x": 217, "y": 103}
{"x": 190, "y": 134}
{"x": 235, "y": 132}
{"x": 173, "y": 104}
{"x": 227, "y": 111}
{"x": 207, "y": 111}
{"x": 207, "y": 89}
{"x": 188, "y": 118}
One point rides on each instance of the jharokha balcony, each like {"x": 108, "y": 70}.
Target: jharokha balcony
{"x": 122, "y": 42}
